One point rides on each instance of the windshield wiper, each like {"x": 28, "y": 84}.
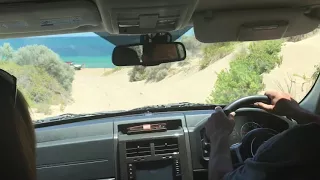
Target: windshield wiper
{"x": 61, "y": 117}
{"x": 172, "y": 105}
{"x": 155, "y": 108}
{"x": 68, "y": 116}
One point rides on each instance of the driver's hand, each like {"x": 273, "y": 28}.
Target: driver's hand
{"x": 219, "y": 125}
{"x": 281, "y": 104}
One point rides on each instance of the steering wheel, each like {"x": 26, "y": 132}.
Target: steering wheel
{"x": 254, "y": 138}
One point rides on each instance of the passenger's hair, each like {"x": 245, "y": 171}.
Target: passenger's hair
{"x": 17, "y": 139}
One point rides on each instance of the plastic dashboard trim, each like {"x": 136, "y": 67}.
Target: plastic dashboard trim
{"x": 192, "y": 121}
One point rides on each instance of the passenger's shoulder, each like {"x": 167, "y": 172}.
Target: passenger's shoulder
{"x": 309, "y": 129}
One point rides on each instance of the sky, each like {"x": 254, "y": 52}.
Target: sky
{"x": 89, "y": 34}
{"x": 190, "y": 32}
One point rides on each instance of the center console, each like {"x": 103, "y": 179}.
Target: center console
{"x": 155, "y": 150}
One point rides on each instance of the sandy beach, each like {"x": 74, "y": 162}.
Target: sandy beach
{"x": 93, "y": 92}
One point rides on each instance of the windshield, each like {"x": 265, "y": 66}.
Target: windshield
{"x": 73, "y": 73}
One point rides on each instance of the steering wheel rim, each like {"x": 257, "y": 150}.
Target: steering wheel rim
{"x": 246, "y": 100}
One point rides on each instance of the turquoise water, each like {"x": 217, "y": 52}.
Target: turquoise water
{"x": 90, "y": 61}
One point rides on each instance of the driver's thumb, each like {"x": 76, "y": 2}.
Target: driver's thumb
{"x": 231, "y": 116}
{"x": 264, "y": 106}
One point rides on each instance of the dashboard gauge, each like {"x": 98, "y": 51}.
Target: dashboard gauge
{"x": 248, "y": 127}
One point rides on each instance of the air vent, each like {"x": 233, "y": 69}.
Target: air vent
{"x": 135, "y": 149}
{"x": 166, "y": 146}
{"x": 205, "y": 145}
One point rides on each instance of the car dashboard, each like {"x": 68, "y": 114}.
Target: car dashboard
{"x": 167, "y": 145}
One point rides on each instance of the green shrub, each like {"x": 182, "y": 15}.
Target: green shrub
{"x": 6, "y": 51}
{"x": 244, "y": 77}
{"x": 45, "y": 58}
{"x": 163, "y": 73}
{"x": 234, "y": 84}
{"x": 263, "y": 56}
{"x": 37, "y": 85}
{"x": 150, "y": 74}
{"x": 44, "y": 108}
{"x": 192, "y": 45}
{"x": 185, "y": 62}
{"x": 214, "y": 52}
{"x": 157, "y": 73}
{"x": 110, "y": 71}
{"x": 42, "y": 76}
{"x": 316, "y": 73}
{"x": 137, "y": 73}
{"x": 193, "y": 49}
{"x": 107, "y": 73}
{"x": 204, "y": 63}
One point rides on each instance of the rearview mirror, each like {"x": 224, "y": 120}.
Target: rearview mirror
{"x": 148, "y": 54}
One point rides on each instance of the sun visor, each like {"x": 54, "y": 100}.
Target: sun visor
{"x": 51, "y": 16}
{"x": 251, "y": 25}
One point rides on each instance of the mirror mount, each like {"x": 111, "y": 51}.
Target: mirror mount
{"x": 156, "y": 38}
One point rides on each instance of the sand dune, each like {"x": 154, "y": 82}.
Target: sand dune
{"x": 299, "y": 59}
{"x": 93, "y": 92}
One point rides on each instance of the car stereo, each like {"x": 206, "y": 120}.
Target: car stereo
{"x": 155, "y": 150}
{"x": 158, "y": 170}
{"x": 159, "y": 158}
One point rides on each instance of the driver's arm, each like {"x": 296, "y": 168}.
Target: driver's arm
{"x": 283, "y": 104}
{"x": 281, "y": 155}
{"x": 218, "y": 129}
{"x": 220, "y": 160}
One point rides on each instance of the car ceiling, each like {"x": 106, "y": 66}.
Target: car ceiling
{"x": 215, "y": 4}
{"x": 123, "y": 21}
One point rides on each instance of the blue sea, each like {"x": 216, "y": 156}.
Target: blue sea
{"x": 90, "y": 61}
{"x": 85, "y": 48}
{"x": 92, "y": 51}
